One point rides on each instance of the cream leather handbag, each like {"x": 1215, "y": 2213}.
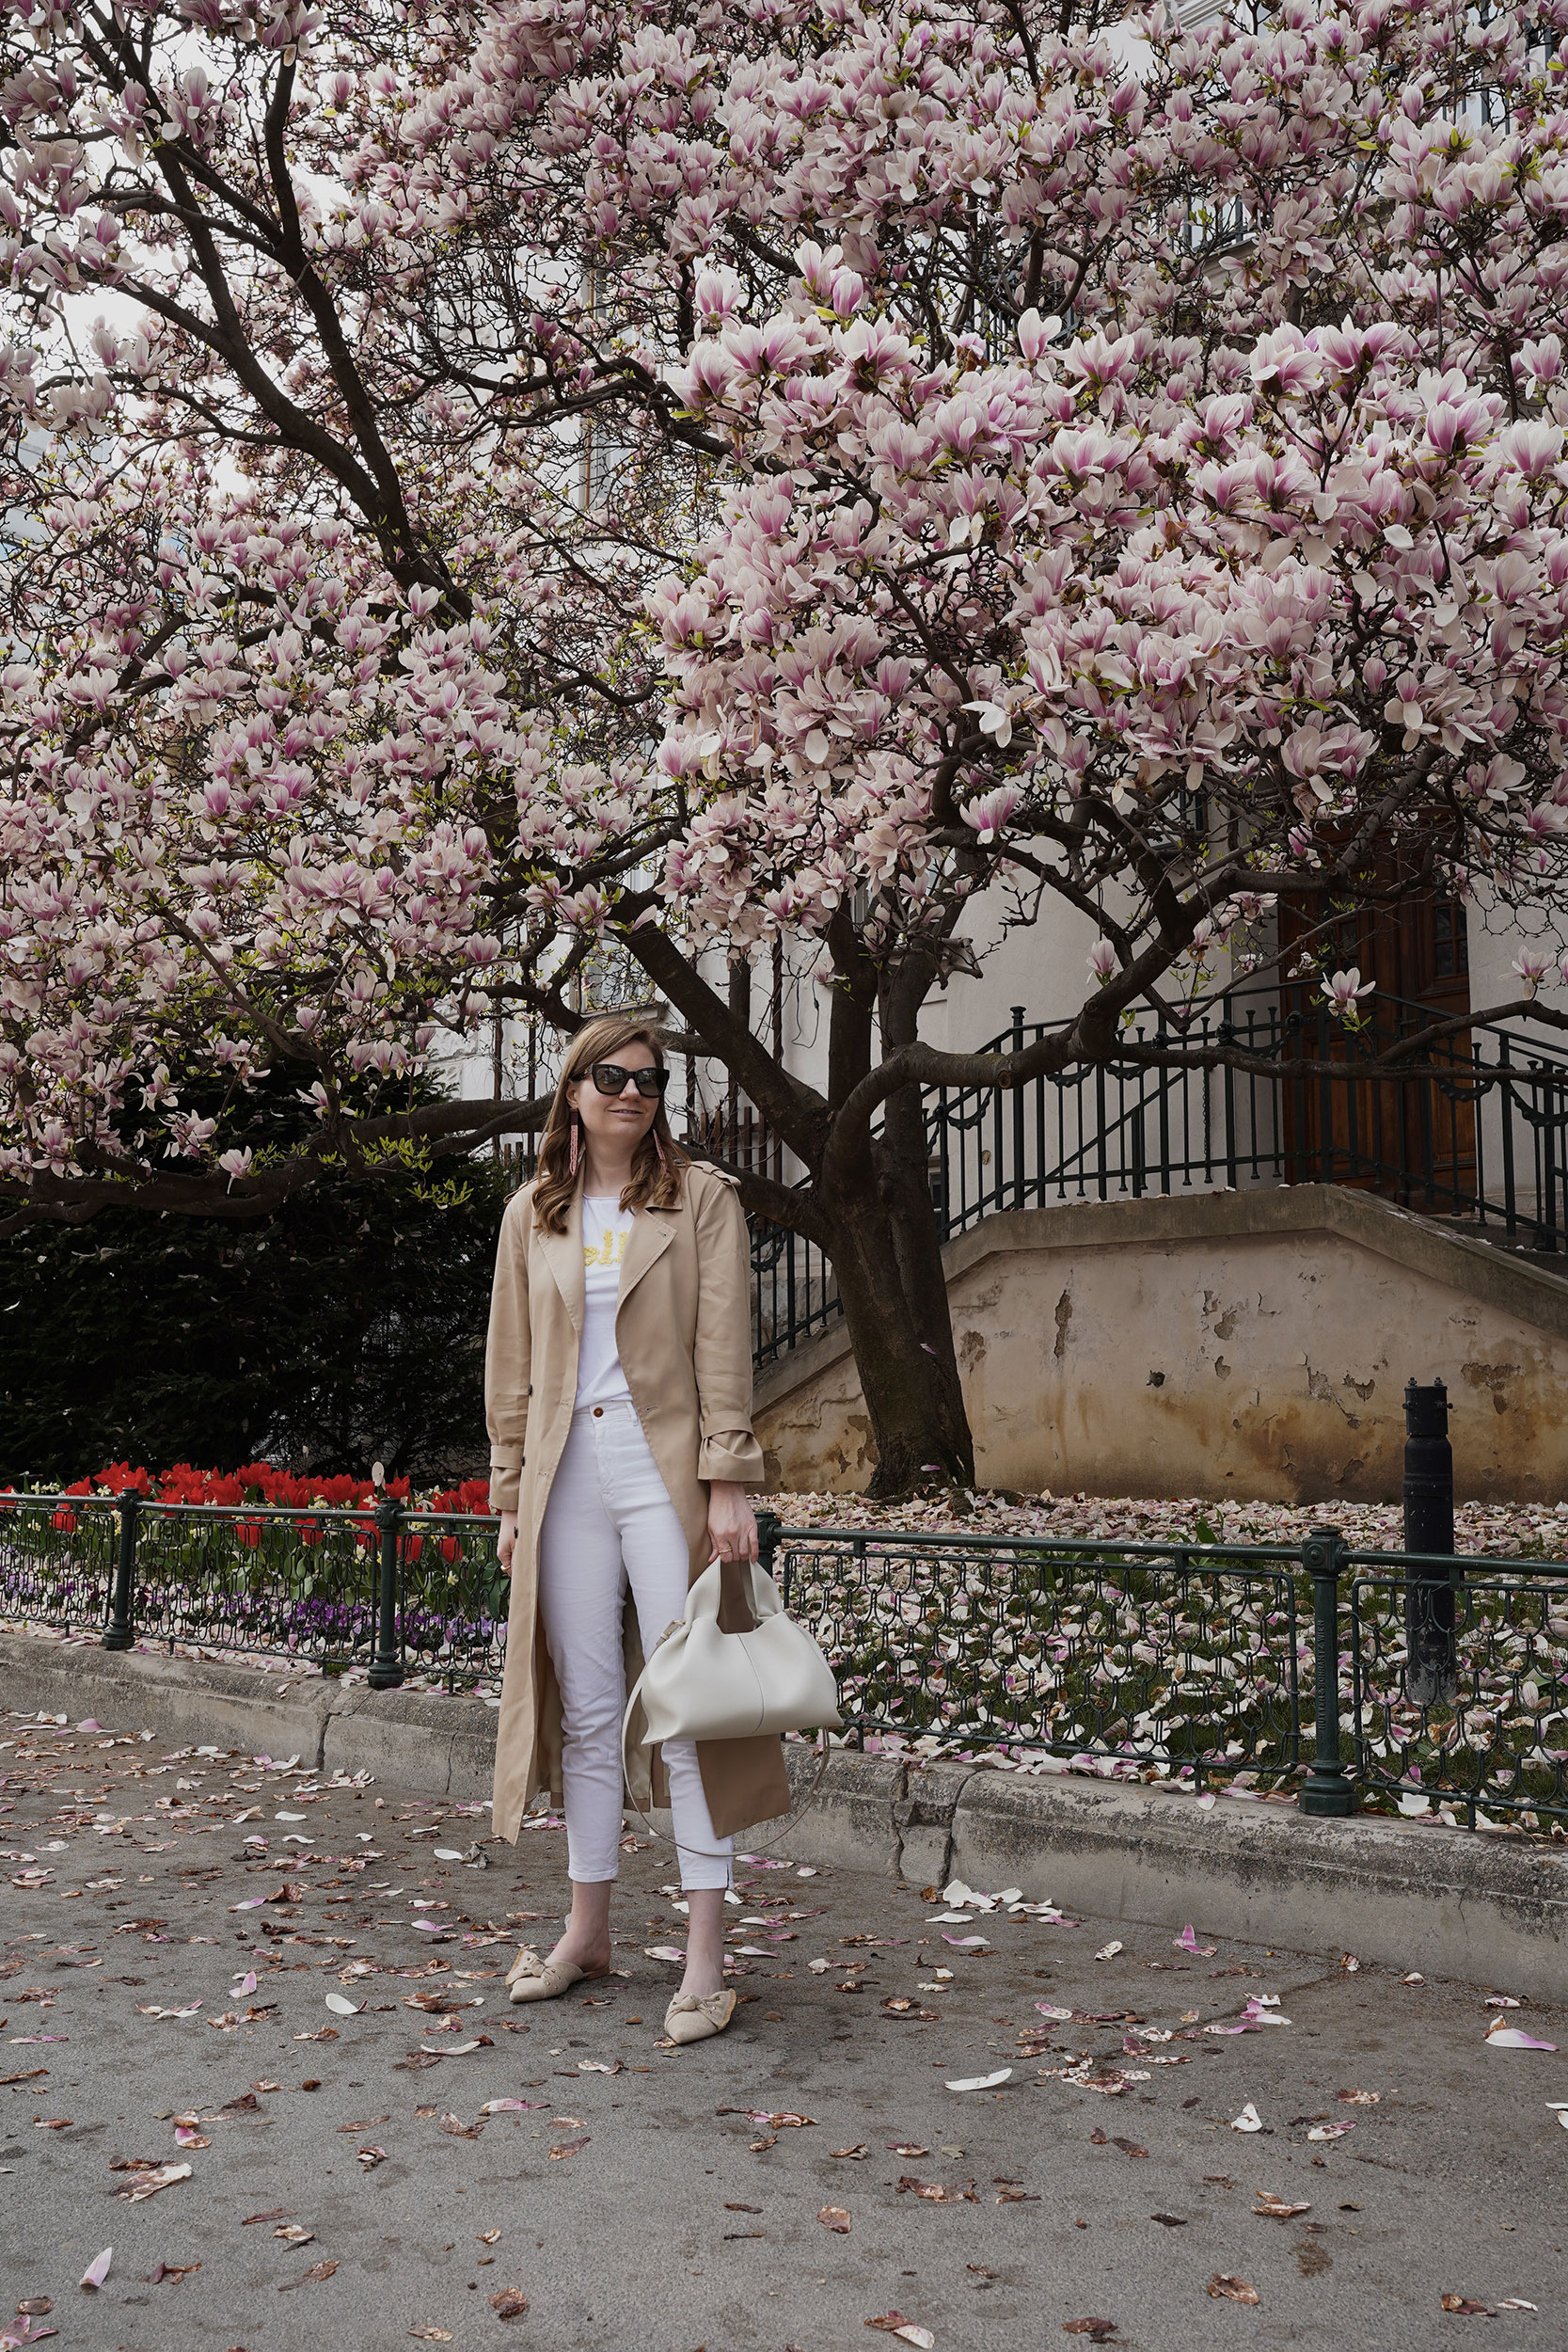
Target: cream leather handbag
{"x": 702, "y": 1683}
{"x": 706, "y": 1682}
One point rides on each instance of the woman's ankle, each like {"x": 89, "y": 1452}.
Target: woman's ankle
{"x": 593, "y": 1942}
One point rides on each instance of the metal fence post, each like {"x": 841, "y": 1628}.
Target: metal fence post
{"x": 386, "y": 1672}
{"x": 1019, "y": 1106}
{"x": 1327, "y": 1789}
{"x": 120, "y": 1632}
{"x": 1431, "y": 1675}
{"x": 770, "y": 1528}
{"x": 1226, "y": 1035}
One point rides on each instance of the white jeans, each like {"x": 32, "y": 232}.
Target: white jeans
{"x": 609, "y": 1523}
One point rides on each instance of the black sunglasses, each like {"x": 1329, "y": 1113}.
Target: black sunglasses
{"x": 609, "y": 1078}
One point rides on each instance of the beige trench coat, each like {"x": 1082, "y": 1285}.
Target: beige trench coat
{"x": 683, "y": 1331}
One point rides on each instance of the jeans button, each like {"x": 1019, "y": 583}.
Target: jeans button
{"x": 598, "y": 1412}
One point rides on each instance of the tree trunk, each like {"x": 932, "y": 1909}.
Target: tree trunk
{"x": 913, "y": 1398}
{"x": 905, "y": 1168}
{"x": 866, "y": 1205}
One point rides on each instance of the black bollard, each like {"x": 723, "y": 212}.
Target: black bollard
{"x": 121, "y": 1633}
{"x": 1430, "y": 1673}
{"x": 386, "y": 1672}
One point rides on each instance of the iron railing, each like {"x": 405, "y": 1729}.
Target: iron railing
{"x": 1290, "y": 1666}
{"x": 1315, "y": 1671}
{"x": 1479, "y": 1136}
{"x": 1488, "y": 1734}
{"x": 1129, "y": 1650}
{"x": 385, "y": 1589}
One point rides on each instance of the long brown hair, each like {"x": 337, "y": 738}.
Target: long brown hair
{"x": 656, "y": 1182}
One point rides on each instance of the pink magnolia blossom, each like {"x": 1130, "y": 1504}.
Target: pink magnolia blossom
{"x": 640, "y": 483}
{"x": 991, "y": 812}
{"x": 1341, "y": 991}
{"x": 1533, "y": 966}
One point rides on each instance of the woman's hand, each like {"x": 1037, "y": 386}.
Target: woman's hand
{"x": 731, "y": 1525}
{"x": 506, "y": 1541}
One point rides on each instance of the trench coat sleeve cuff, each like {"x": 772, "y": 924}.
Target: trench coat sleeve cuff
{"x": 506, "y": 1478}
{"x": 733, "y": 1454}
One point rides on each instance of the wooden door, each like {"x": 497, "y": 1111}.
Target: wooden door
{"x": 1412, "y": 1140}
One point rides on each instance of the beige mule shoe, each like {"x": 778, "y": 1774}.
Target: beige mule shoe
{"x": 690, "y": 2018}
{"x": 530, "y": 1978}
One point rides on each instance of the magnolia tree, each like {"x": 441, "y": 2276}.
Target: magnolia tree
{"x": 697, "y": 480}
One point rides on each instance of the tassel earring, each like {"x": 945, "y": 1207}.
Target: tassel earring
{"x": 659, "y": 1148}
{"x": 572, "y": 1159}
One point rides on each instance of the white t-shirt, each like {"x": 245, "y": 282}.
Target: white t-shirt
{"x": 606, "y": 1230}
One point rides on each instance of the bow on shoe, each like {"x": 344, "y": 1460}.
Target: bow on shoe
{"x": 693, "y": 2017}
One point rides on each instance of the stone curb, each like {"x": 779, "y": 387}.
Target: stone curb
{"x": 421, "y": 1740}
{"x": 1448, "y": 1902}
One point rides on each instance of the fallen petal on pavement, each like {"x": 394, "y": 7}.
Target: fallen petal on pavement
{"x": 149, "y": 2184}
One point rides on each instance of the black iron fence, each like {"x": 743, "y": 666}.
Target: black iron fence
{"x": 387, "y": 1589}
{"x": 1436, "y": 1685}
{"x": 1486, "y": 1733}
{"x": 1307, "y": 1671}
{"x": 1479, "y": 1136}
{"x": 1126, "y": 1651}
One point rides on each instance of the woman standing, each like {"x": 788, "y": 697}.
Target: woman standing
{"x": 618, "y": 1394}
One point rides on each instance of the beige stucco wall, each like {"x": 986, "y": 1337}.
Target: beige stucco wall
{"x": 1248, "y": 1343}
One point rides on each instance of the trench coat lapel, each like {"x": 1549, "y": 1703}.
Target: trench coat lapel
{"x": 652, "y": 1231}
{"x": 562, "y": 1255}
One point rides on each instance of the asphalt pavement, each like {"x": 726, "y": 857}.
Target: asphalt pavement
{"x": 811, "y": 2174}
